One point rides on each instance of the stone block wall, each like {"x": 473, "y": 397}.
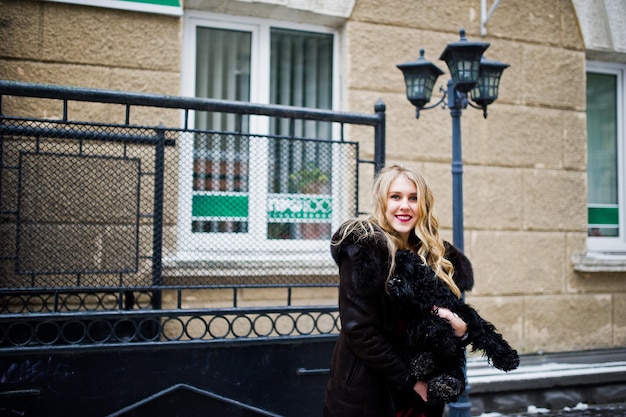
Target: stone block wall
{"x": 525, "y": 190}
{"x": 92, "y": 47}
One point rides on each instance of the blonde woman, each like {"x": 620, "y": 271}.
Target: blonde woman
{"x": 368, "y": 375}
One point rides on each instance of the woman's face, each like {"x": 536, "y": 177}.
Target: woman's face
{"x": 402, "y": 207}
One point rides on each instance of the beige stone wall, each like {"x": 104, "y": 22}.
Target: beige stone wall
{"x": 524, "y": 167}
{"x": 93, "y": 47}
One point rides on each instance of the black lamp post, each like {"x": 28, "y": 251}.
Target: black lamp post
{"x": 472, "y": 76}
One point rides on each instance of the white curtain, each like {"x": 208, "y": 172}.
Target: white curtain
{"x": 602, "y": 170}
{"x": 221, "y": 160}
{"x": 301, "y": 75}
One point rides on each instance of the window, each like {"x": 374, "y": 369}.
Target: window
{"x": 249, "y": 190}
{"x": 606, "y": 159}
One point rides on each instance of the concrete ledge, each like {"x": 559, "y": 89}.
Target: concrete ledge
{"x": 597, "y": 262}
{"x": 553, "y": 380}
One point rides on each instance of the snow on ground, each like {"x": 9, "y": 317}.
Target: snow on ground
{"x": 531, "y": 409}
{"x": 579, "y": 406}
{"x": 580, "y": 410}
{"x": 549, "y": 370}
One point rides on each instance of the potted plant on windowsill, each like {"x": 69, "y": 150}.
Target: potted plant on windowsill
{"x": 309, "y": 180}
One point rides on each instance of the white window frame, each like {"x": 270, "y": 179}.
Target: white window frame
{"x": 259, "y": 248}
{"x": 615, "y": 245}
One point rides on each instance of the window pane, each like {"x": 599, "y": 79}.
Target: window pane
{"x": 223, "y": 64}
{"x": 300, "y": 75}
{"x": 602, "y": 168}
{"x": 220, "y": 184}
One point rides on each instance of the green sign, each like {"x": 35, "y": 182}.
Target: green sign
{"x": 171, "y": 7}
{"x": 224, "y": 206}
{"x": 174, "y": 3}
{"x": 603, "y": 215}
{"x": 299, "y": 207}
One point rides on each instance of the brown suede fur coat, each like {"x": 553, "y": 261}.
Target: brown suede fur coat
{"x": 368, "y": 378}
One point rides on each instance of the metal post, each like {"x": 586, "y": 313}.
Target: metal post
{"x": 379, "y": 136}
{"x": 461, "y": 408}
{"x": 456, "y": 109}
{"x": 157, "y": 232}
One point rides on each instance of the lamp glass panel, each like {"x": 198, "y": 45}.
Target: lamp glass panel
{"x": 415, "y": 86}
{"x": 476, "y": 92}
{"x": 486, "y": 90}
{"x": 429, "y": 83}
{"x": 419, "y": 87}
{"x": 467, "y": 69}
{"x": 492, "y": 81}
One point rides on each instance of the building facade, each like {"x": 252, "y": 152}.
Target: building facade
{"x": 544, "y": 177}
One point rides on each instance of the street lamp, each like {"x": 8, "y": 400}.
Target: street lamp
{"x": 472, "y": 76}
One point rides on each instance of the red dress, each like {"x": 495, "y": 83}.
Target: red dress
{"x": 411, "y": 412}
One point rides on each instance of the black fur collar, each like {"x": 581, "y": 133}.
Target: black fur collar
{"x": 370, "y": 261}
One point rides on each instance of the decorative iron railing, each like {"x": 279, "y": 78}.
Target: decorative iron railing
{"x": 118, "y": 226}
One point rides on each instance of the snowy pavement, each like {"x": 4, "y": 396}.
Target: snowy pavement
{"x": 556, "y": 381}
{"x": 581, "y": 410}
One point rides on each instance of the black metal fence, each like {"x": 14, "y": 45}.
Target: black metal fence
{"x": 118, "y": 226}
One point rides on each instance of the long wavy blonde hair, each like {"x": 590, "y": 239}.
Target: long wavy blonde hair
{"x": 431, "y": 249}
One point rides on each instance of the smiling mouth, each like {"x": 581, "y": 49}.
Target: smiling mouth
{"x": 403, "y": 218}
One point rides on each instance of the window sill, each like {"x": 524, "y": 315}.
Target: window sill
{"x": 292, "y": 269}
{"x": 599, "y": 262}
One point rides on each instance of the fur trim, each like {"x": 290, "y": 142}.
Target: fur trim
{"x": 463, "y": 271}
{"x": 368, "y": 256}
